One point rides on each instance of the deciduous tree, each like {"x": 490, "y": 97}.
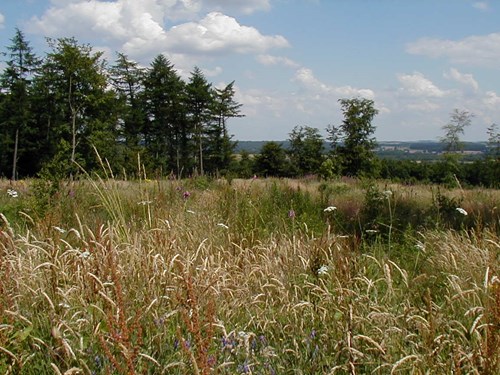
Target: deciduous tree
{"x": 306, "y": 149}
{"x": 353, "y": 141}
{"x": 74, "y": 87}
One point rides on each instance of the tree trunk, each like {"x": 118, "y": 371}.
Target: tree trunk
{"x": 73, "y": 133}
{"x": 14, "y": 161}
{"x": 200, "y": 146}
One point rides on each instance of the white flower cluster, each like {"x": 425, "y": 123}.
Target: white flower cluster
{"x": 323, "y": 270}
{"x": 330, "y": 209}
{"x": 59, "y": 229}
{"x": 12, "y": 193}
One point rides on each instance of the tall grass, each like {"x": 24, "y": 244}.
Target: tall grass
{"x": 206, "y": 277}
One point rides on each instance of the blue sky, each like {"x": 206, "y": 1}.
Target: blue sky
{"x": 292, "y": 60}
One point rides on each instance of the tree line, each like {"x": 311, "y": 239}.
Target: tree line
{"x": 71, "y": 109}
{"x": 352, "y": 153}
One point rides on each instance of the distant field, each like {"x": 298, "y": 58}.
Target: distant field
{"x": 418, "y": 150}
{"x": 259, "y": 276}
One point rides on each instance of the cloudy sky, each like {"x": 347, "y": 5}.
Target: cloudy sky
{"x": 292, "y": 60}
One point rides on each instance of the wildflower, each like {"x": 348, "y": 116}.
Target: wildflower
{"x": 323, "y": 270}
{"x": 211, "y": 360}
{"x": 12, "y": 193}
{"x": 387, "y": 194}
{"x": 222, "y": 225}
{"x": 495, "y": 280}
{"x": 291, "y": 214}
{"x": 64, "y": 305}
{"x": 59, "y": 229}
{"x": 244, "y": 368}
{"x": 85, "y": 254}
{"x": 420, "y": 246}
{"x": 186, "y": 194}
{"x": 462, "y": 211}
{"x": 330, "y": 209}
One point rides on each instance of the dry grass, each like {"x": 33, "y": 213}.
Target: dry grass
{"x": 139, "y": 279}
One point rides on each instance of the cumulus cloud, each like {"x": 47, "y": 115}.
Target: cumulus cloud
{"x": 276, "y": 60}
{"x": 474, "y": 50}
{"x": 306, "y": 78}
{"x": 465, "y": 79}
{"x": 417, "y": 85}
{"x": 138, "y": 27}
{"x": 218, "y": 33}
{"x": 492, "y": 100}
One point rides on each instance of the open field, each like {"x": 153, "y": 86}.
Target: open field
{"x": 248, "y": 276}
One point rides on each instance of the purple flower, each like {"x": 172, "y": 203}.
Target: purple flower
{"x": 186, "y": 194}
{"x": 211, "y": 360}
{"x": 291, "y": 214}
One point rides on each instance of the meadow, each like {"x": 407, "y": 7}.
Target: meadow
{"x": 258, "y": 276}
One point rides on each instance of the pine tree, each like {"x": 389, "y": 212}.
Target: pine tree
{"x": 18, "y": 141}
{"x": 127, "y": 79}
{"x": 166, "y": 133}
{"x": 220, "y": 148}
{"x": 200, "y": 108}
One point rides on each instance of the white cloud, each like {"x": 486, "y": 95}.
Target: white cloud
{"x": 256, "y": 102}
{"x": 138, "y": 29}
{"x": 212, "y": 72}
{"x": 481, "y": 50}
{"x": 423, "y": 106}
{"x": 218, "y": 33}
{"x": 2, "y": 20}
{"x": 466, "y": 79}
{"x": 306, "y": 77}
{"x": 492, "y": 100}
{"x": 418, "y": 86}
{"x": 276, "y": 60}
{"x": 241, "y": 6}
{"x": 481, "y": 5}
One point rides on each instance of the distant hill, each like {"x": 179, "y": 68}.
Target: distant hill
{"x": 254, "y": 147}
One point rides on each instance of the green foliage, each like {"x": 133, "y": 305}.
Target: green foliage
{"x": 272, "y": 161}
{"x": 17, "y": 134}
{"x": 306, "y": 150}
{"x": 459, "y": 120}
{"x": 327, "y": 170}
{"x": 353, "y": 140}
{"x": 123, "y": 111}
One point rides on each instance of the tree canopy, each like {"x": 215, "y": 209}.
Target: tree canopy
{"x": 56, "y": 111}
